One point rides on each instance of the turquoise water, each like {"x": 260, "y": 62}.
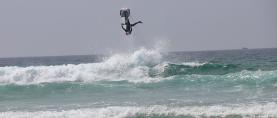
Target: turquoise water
{"x": 145, "y": 83}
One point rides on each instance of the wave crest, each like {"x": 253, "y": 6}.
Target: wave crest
{"x": 254, "y": 110}
{"x": 141, "y": 66}
{"x": 132, "y": 67}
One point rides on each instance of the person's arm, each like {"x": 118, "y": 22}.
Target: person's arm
{"x": 123, "y": 27}
{"x": 136, "y": 23}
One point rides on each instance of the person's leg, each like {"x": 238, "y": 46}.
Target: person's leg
{"x": 136, "y": 23}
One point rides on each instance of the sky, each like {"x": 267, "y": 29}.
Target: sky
{"x": 84, "y": 27}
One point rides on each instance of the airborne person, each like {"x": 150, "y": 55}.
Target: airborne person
{"x": 127, "y": 26}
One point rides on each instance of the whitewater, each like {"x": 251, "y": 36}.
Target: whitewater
{"x": 144, "y": 83}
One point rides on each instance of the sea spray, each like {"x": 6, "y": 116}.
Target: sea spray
{"x": 115, "y": 68}
{"x": 144, "y": 83}
{"x": 141, "y": 66}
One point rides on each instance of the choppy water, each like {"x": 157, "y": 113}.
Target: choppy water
{"x": 145, "y": 83}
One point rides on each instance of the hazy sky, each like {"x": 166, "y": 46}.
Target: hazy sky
{"x": 77, "y": 27}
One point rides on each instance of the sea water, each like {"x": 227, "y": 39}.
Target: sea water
{"x": 140, "y": 84}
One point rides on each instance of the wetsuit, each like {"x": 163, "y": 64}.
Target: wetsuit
{"x": 129, "y": 26}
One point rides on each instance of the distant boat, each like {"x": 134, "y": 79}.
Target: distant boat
{"x": 244, "y": 48}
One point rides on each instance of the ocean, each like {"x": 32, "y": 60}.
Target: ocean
{"x": 145, "y": 83}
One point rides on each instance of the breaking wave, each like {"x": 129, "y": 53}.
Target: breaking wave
{"x": 141, "y": 66}
{"x": 116, "y": 68}
{"x": 138, "y": 85}
{"x": 232, "y": 111}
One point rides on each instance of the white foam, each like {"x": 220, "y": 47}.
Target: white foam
{"x": 254, "y": 110}
{"x": 193, "y": 64}
{"x": 131, "y": 67}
